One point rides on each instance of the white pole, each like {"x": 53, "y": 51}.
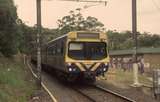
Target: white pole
{"x": 135, "y": 75}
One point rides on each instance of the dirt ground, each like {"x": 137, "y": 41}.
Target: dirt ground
{"x": 40, "y": 96}
{"x": 121, "y": 82}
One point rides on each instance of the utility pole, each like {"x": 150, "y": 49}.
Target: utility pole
{"x": 39, "y": 43}
{"x": 134, "y": 32}
{"x": 134, "y": 26}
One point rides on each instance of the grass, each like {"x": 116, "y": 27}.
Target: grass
{"x": 122, "y": 79}
{"x": 16, "y": 84}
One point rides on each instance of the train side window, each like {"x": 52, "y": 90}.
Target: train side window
{"x": 58, "y": 50}
{"x": 54, "y": 49}
{"x": 62, "y": 45}
{"x": 49, "y": 50}
{"x": 54, "y": 52}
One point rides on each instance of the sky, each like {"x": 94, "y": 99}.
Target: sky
{"x": 115, "y": 16}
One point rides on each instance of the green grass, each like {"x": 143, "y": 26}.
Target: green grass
{"x": 15, "y": 81}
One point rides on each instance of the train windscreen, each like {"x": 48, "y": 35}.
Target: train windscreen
{"x": 87, "y": 50}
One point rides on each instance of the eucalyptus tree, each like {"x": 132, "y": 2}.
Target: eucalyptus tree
{"x": 75, "y": 21}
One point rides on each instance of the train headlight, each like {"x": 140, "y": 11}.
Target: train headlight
{"x": 70, "y": 69}
{"x": 104, "y": 69}
{"x": 74, "y": 69}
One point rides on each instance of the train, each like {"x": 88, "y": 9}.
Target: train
{"x": 76, "y": 55}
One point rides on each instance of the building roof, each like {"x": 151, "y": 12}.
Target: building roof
{"x": 132, "y": 51}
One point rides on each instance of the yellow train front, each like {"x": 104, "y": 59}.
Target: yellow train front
{"x": 77, "y": 55}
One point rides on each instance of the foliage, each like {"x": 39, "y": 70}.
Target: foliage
{"x": 28, "y": 38}
{"x": 124, "y": 40}
{"x": 16, "y": 84}
{"x": 149, "y": 40}
{"x": 49, "y": 34}
{"x": 121, "y": 40}
{"x": 8, "y": 28}
{"x": 75, "y": 22}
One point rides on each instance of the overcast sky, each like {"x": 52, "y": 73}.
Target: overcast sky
{"x": 116, "y": 15}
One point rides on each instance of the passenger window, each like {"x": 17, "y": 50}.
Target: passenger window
{"x": 54, "y": 52}
{"x": 62, "y": 48}
{"x": 49, "y": 50}
{"x": 58, "y": 51}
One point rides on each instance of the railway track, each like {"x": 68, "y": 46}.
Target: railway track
{"x": 124, "y": 98}
{"x": 96, "y": 93}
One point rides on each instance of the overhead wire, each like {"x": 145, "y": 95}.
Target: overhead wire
{"x": 156, "y": 9}
{"x": 155, "y": 4}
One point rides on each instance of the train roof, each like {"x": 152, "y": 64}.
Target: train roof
{"x": 65, "y": 35}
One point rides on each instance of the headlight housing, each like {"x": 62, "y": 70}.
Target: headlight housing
{"x": 102, "y": 68}
{"x": 72, "y": 67}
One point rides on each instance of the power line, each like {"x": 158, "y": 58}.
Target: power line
{"x": 146, "y": 12}
{"x": 98, "y": 1}
{"x": 155, "y": 4}
{"x": 91, "y": 1}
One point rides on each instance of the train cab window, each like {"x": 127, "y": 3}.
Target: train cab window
{"x": 87, "y": 50}
{"x": 76, "y": 46}
{"x": 76, "y": 50}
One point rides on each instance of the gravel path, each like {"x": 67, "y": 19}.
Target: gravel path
{"x": 138, "y": 94}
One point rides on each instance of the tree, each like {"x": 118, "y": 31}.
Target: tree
{"x": 149, "y": 40}
{"x": 124, "y": 40}
{"x": 8, "y": 28}
{"x": 120, "y": 40}
{"x": 27, "y": 39}
{"x": 75, "y": 22}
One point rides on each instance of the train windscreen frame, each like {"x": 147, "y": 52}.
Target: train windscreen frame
{"x": 87, "y": 50}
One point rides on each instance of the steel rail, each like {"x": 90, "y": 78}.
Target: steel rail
{"x": 85, "y": 95}
{"x": 107, "y": 91}
{"x": 113, "y": 93}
